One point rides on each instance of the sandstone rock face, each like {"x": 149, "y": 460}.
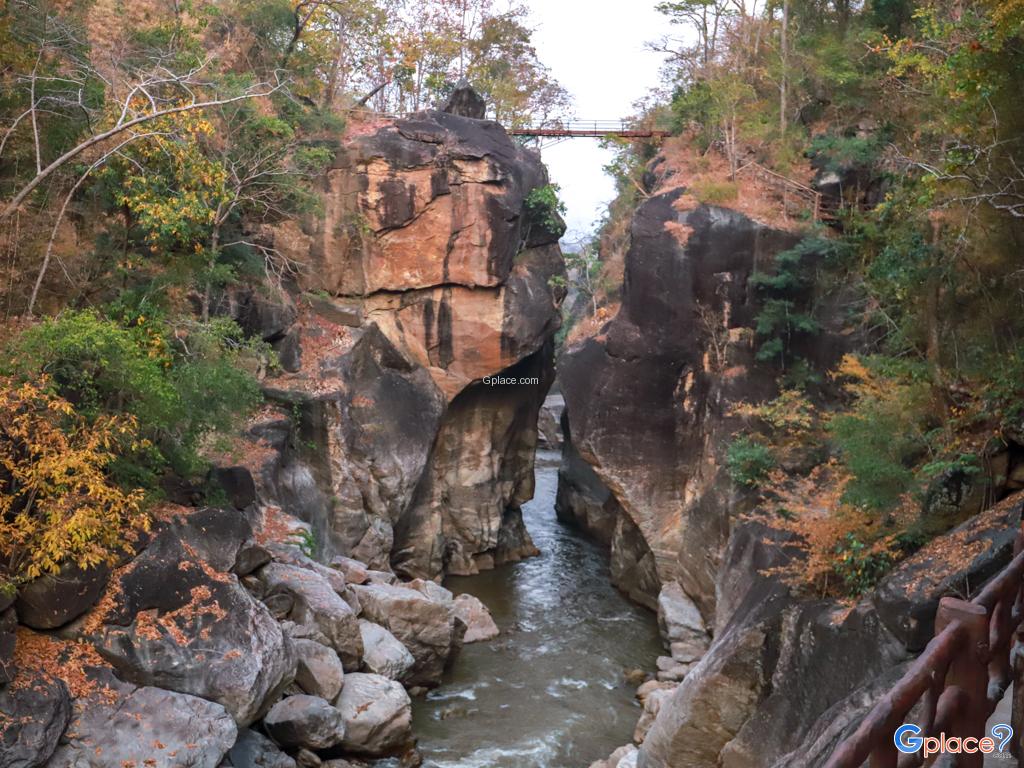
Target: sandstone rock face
{"x": 648, "y": 398}
{"x": 180, "y": 621}
{"x": 377, "y": 714}
{"x": 434, "y": 279}
{"x": 172, "y": 730}
{"x": 32, "y": 719}
{"x": 425, "y": 627}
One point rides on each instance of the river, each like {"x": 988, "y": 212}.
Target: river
{"x": 550, "y": 691}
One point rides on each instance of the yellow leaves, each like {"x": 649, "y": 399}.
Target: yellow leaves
{"x": 57, "y": 502}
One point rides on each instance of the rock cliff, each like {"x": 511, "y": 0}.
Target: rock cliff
{"x": 756, "y": 675}
{"x": 424, "y": 276}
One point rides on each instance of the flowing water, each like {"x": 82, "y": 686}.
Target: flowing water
{"x": 549, "y": 692}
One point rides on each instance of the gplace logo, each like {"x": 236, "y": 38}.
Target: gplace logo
{"x": 908, "y": 739}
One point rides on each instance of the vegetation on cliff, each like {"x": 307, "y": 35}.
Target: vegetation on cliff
{"x": 905, "y": 118}
{"x": 144, "y": 150}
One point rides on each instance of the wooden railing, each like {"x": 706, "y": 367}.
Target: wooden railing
{"x": 959, "y": 679}
{"x": 788, "y": 189}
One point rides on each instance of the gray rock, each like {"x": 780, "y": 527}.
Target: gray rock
{"x": 254, "y": 750}
{"x": 465, "y": 102}
{"x": 181, "y": 622}
{"x": 377, "y": 714}
{"x": 354, "y": 571}
{"x": 383, "y": 653}
{"x": 147, "y": 727}
{"x": 474, "y": 614}
{"x": 8, "y": 640}
{"x": 316, "y": 603}
{"x": 305, "y": 721}
{"x": 652, "y": 705}
{"x": 425, "y": 627}
{"x": 52, "y": 601}
{"x": 33, "y": 716}
{"x": 251, "y": 557}
{"x": 320, "y": 672}
{"x": 681, "y": 624}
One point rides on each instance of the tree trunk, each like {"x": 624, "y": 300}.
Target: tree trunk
{"x": 783, "y": 81}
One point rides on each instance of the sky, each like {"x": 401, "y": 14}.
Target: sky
{"x": 595, "y": 48}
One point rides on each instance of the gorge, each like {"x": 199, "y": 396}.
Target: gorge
{"x": 323, "y": 445}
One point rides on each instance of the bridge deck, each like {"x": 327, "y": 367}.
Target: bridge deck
{"x": 590, "y": 128}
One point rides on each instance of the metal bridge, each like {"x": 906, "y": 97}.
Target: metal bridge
{"x": 622, "y": 129}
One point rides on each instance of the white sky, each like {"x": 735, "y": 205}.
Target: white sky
{"x": 595, "y": 48}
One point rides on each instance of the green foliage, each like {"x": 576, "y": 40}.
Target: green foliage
{"x": 748, "y": 461}
{"x": 305, "y": 540}
{"x": 859, "y": 565}
{"x": 839, "y": 153}
{"x": 786, "y": 313}
{"x": 178, "y": 383}
{"x": 544, "y": 209}
{"x": 715, "y": 192}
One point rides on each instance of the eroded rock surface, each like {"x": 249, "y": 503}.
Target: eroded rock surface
{"x": 430, "y": 276}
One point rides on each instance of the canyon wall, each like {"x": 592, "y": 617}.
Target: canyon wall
{"x": 423, "y": 276}
{"x": 756, "y": 675}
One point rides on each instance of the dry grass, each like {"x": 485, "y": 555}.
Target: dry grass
{"x": 707, "y": 179}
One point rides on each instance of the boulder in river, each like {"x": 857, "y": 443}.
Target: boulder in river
{"x": 474, "y": 614}
{"x": 377, "y": 714}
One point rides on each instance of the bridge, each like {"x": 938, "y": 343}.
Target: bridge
{"x": 599, "y": 129}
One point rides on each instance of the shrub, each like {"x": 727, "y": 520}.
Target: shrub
{"x": 748, "y": 461}
{"x": 177, "y": 384}
{"x": 715, "y": 192}
{"x": 860, "y": 566}
{"x": 883, "y": 437}
{"x": 544, "y": 210}
{"x": 58, "y": 503}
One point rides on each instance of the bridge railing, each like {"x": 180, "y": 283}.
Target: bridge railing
{"x": 589, "y": 128}
{"x": 957, "y": 682}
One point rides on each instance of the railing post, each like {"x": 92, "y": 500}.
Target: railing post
{"x": 968, "y": 670}
{"x": 1017, "y": 665}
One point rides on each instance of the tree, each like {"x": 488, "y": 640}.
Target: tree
{"x": 58, "y": 503}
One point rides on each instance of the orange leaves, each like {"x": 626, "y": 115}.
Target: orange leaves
{"x": 57, "y": 502}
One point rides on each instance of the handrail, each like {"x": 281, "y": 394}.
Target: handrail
{"x": 962, "y": 675}
{"x": 787, "y": 185}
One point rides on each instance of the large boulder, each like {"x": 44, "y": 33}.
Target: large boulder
{"x": 316, "y": 603}
{"x": 53, "y": 600}
{"x": 124, "y": 725}
{"x": 176, "y": 619}
{"x": 33, "y": 715}
{"x": 377, "y": 714}
{"x": 474, "y": 614}
{"x": 383, "y": 653}
{"x": 320, "y": 671}
{"x": 305, "y": 722}
{"x": 424, "y": 626}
